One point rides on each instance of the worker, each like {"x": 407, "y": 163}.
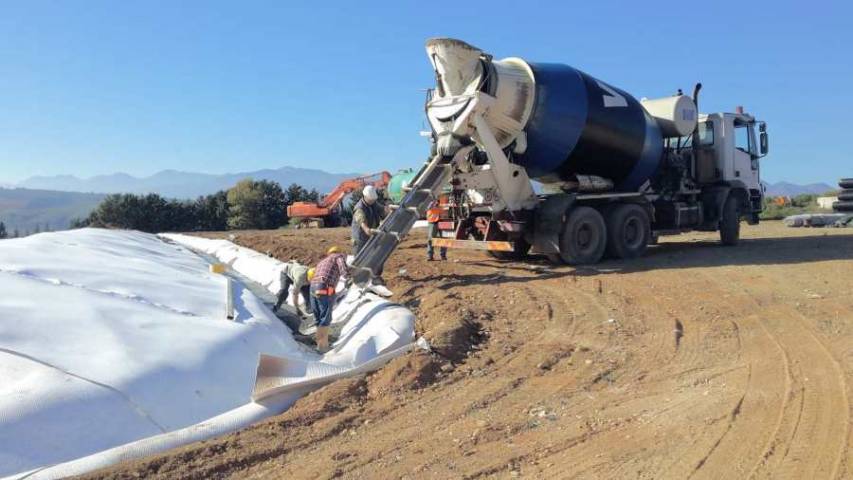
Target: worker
{"x": 433, "y": 217}
{"x": 323, "y": 284}
{"x": 366, "y": 217}
{"x": 295, "y": 275}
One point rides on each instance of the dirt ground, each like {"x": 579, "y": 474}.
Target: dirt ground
{"x": 696, "y": 361}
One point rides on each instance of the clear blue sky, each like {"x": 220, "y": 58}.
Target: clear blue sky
{"x": 91, "y": 87}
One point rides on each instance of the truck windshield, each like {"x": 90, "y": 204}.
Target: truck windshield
{"x": 706, "y": 137}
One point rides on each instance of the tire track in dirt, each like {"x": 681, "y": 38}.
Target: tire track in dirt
{"x": 808, "y": 440}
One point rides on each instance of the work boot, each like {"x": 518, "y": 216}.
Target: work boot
{"x": 322, "y": 339}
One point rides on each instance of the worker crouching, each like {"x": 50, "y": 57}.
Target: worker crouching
{"x": 294, "y": 275}
{"x": 323, "y": 284}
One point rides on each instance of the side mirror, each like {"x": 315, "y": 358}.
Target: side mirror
{"x": 762, "y": 143}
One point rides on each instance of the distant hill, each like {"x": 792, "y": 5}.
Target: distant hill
{"x": 28, "y": 210}
{"x": 176, "y": 184}
{"x": 785, "y": 189}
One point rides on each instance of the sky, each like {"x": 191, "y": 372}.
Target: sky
{"x": 97, "y": 87}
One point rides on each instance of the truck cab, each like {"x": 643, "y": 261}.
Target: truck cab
{"x": 727, "y": 154}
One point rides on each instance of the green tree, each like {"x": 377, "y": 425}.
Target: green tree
{"x": 244, "y": 205}
{"x": 16, "y": 233}
{"x": 3, "y": 233}
{"x": 76, "y": 223}
{"x": 256, "y": 204}
{"x": 212, "y": 211}
{"x": 804, "y": 200}
{"x": 274, "y": 205}
{"x": 148, "y": 213}
{"x": 295, "y": 193}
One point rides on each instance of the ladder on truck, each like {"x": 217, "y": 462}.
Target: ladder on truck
{"x": 422, "y": 192}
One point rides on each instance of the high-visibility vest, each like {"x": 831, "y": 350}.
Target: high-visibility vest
{"x": 433, "y": 215}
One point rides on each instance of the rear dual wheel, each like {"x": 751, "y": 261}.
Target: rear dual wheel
{"x": 628, "y": 231}
{"x": 584, "y": 237}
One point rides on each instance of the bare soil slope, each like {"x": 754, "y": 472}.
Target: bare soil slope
{"x": 696, "y": 361}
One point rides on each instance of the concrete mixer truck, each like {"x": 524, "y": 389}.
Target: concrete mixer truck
{"x": 613, "y": 172}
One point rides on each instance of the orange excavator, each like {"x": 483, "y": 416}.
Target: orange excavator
{"x": 326, "y": 213}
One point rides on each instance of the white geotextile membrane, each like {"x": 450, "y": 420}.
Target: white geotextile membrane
{"x": 115, "y": 345}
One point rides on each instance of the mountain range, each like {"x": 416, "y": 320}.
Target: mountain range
{"x": 31, "y": 210}
{"x": 786, "y": 189}
{"x": 182, "y": 185}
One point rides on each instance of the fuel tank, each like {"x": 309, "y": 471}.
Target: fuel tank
{"x": 558, "y": 121}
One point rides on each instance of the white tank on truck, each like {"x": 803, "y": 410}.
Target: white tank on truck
{"x": 615, "y": 172}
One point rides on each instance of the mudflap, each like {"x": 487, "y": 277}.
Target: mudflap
{"x": 548, "y": 222}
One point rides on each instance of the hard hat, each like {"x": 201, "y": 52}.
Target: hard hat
{"x": 369, "y": 193}
{"x": 333, "y": 249}
{"x": 310, "y": 274}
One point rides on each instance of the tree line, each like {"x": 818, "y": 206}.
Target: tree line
{"x": 798, "y": 204}
{"x": 15, "y": 233}
{"x": 250, "y": 204}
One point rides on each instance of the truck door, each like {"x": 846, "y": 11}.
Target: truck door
{"x": 745, "y": 159}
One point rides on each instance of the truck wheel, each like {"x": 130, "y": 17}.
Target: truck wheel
{"x": 846, "y": 183}
{"x": 584, "y": 237}
{"x": 730, "y": 223}
{"x": 628, "y": 231}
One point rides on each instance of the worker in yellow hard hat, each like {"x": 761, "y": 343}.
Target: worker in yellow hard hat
{"x": 324, "y": 281}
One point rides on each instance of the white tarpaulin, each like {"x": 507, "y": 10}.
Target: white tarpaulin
{"x": 112, "y": 337}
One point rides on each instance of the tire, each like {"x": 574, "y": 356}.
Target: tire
{"x": 730, "y": 222}
{"x": 843, "y": 206}
{"x": 846, "y": 196}
{"x": 584, "y": 237}
{"x": 628, "y": 231}
{"x": 846, "y": 183}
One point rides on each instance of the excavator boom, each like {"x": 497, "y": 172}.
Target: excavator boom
{"x": 332, "y": 201}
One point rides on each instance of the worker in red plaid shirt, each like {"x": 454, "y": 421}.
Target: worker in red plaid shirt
{"x": 323, "y": 284}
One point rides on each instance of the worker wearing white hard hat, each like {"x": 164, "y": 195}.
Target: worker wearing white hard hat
{"x": 366, "y": 217}
{"x": 369, "y": 194}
